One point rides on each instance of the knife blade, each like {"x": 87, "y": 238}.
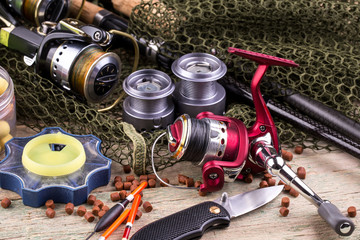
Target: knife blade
{"x": 191, "y": 223}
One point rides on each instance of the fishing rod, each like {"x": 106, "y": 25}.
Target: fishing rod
{"x": 319, "y": 119}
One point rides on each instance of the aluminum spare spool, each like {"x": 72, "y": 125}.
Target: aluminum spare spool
{"x": 198, "y": 90}
{"x": 149, "y": 105}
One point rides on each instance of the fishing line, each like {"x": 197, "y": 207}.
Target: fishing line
{"x": 154, "y": 170}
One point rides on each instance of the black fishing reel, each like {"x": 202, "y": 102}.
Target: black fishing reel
{"x": 69, "y": 53}
{"x": 39, "y": 11}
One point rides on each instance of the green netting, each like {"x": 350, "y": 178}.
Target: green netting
{"x": 321, "y": 36}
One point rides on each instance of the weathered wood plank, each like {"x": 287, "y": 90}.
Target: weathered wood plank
{"x": 333, "y": 176}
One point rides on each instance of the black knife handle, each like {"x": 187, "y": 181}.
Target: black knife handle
{"x": 187, "y": 224}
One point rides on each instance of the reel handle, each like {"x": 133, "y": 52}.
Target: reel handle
{"x": 266, "y": 156}
{"x": 332, "y": 215}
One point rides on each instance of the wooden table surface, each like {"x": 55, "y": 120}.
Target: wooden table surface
{"x": 334, "y": 176}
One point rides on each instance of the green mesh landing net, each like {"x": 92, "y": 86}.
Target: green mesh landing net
{"x": 321, "y": 36}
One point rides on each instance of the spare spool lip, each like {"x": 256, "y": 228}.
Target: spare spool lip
{"x": 54, "y": 170}
{"x": 178, "y": 67}
{"x": 135, "y": 76}
{"x": 184, "y": 140}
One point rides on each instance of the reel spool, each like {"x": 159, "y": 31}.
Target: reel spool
{"x": 198, "y": 90}
{"x": 38, "y": 11}
{"x": 219, "y": 144}
{"x": 149, "y": 105}
{"x": 83, "y": 68}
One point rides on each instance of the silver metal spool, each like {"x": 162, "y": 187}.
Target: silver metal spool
{"x": 198, "y": 90}
{"x": 63, "y": 60}
{"x": 149, "y": 105}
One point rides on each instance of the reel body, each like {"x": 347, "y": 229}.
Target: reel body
{"x": 71, "y": 54}
{"x": 39, "y": 11}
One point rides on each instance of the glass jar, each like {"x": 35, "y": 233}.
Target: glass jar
{"x": 7, "y": 108}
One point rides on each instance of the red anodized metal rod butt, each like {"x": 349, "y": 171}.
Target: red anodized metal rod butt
{"x": 131, "y": 217}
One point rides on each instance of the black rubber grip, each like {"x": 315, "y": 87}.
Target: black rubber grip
{"x": 190, "y": 223}
{"x": 326, "y": 115}
{"x": 332, "y": 215}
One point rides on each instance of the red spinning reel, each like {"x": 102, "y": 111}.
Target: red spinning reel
{"x": 227, "y": 150}
{"x": 222, "y": 145}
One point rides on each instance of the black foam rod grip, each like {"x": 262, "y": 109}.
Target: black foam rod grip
{"x": 332, "y": 215}
{"x": 190, "y": 223}
{"x": 326, "y": 115}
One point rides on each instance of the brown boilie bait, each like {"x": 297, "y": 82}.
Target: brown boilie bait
{"x": 165, "y": 180}
{"x": 143, "y": 177}
{"x": 96, "y": 210}
{"x": 122, "y": 194}
{"x": 69, "y": 208}
{"x": 115, "y": 196}
{"x": 127, "y": 168}
{"x": 89, "y": 217}
{"x": 271, "y": 182}
{"x": 50, "y": 213}
{"x": 263, "y": 184}
{"x": 197, "y": 184}
{"x": 117, "y": 179}
{"x": 99, "y": 203}
{"x": 151, "y": 176}
{"x": 147, "y": 206}
{"x": 101, "y": 213}
{"x": 127, "y": 185}
{"x": 298, "y": 149}
{"x": 249, "y": 178}
{"x": 81, "y": 211}
{"x": 285, "y": 202}
{"x": 301, "y": 172}
{"x": 294, "y": 193}
{"x": 152, "y": 183}
{"x": 50, "y": 204}
{"x": 119, "y": 186}
{"x": 130, "y": 178}
{"x": 138, "y": 215}
{"x": 182, "y": 178}
{"x": 5, "y": 203}
{"x": 189, "y": 182}
{"x": 91, "y": 199}
{"x": 351, "y": 211}
{"x": 284, "y": 211}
